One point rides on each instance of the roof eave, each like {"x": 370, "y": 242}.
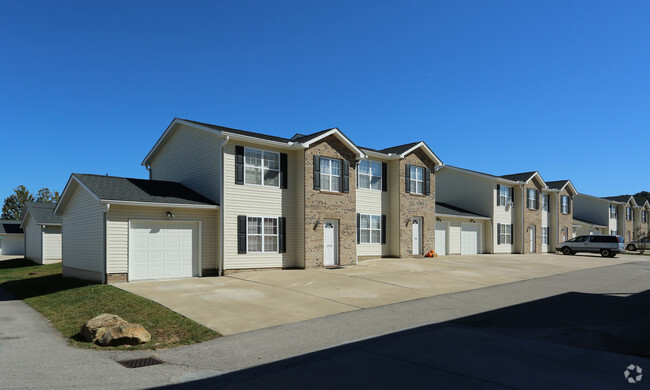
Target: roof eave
{"x": 427, "y": 151}
{"x": 461, "y": 216}
{"x": 158, "y": 204}
{"x": 338, "y": 134}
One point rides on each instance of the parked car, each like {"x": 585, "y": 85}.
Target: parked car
{"x": 606, "y": 245}
{"x": 643, "y": 244}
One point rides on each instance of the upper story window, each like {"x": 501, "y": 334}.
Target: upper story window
{"x": 564, "y": 204}
{"x": 330, "y": 174}
{"x": 644, "y": 216}
{"x": 370, "y": 175}
{"x": 417, "y": 180}
{"x": 261, "y": 167}
{"x": 504, "y": 195}
{"x": 533, "y": 199}
{"x": 613, "y": 212}
{"x": 545, "y": 201}
{"x": 628, "y": 213}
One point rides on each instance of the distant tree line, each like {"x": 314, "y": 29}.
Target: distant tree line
{"x": 14, "y": 204}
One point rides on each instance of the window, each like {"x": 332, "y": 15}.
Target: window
{"x": 370, "y": 175}
{"x": 505, "y": 234}
{"x": 262, "y": 234}
{"x": 545, "y": 201}
{"x": 369, "y": 229}
{"x": 613, "y": 212}
{"x": 504, "y": 194}
{"x": 613, "y": 232}
{"x": 262, "y": 168}
{"x": 544, "y": 235}
{"x": 417, "y": 180}
{"x": 644, "y": 216}
{"x": 628, "y": 213}
{"x": 533, "y": 199}
{"x": 565, "y": 204}
{"x": 330, "y": 173}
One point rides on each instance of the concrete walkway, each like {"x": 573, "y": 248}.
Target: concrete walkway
{"x": 256, "y": 300}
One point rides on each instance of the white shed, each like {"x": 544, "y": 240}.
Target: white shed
{"x": 42, "y": 233}
{"x": 12, "y": 239}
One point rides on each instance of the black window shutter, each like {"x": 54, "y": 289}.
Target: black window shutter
{"x": 536, "y": 200}
{"x": 282, "y": 236}
{"x": 358, "y": 228}
{"x": 283, "y": 170}
{"x": 568, "y": 202}
{"x": 384, "y": 177}
{"x": 241, "y": 234}
{"x": 408, "y": 178}
{"x": 345, "y": 177}
{"x": 498, "y": 233}
{"x": 239, "y": 164}
{"x": 512, "y": 233}
{"x": 317, "y": 172}
{"x": 498, "y": 195}
{"x": 427, "y": 181}
{"x": 357, "y": 169}
{"x": 512, "y": 195}
{"x": 383, "y": 228}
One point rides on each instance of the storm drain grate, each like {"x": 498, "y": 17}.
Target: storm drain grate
{"x": 142, "y": 362}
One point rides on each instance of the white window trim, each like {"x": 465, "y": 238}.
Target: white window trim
{"x": 529, "y": 200}
{"x": 628, "y": 213}
{"x": 504, "y": 195}
{"x": 370, "y": 176}
{"x": 505, "y": 233}
{"x": 564, "y": 206}
{"x": 331, "y": 176}
{"x": 545, "y": 235}
{"x": 546, "y": 199}
{"x": 613, "y": 212}
{"x": 277, "y": 235}
{"x": 261, "y": 168}
{"x": 370, "y": 230}
{"x": 413, "y": 181}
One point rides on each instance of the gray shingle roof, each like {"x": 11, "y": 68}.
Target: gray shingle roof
{"x": 10, "y": 227}
{"x": 639, "y": 200}
{"x": 43, "y": 213}
{"x": 524, "y": 176}
{"x": 448, "y": 209}
{"x": 242, "y": 132}
{"x": 556, "y": 185}
{"x": 619, "y": 198}
{"x": 398, "y": 149}
{"x": 588, "y": 222}
{"x": 140, "y": 190}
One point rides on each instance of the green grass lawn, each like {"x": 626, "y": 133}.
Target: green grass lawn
{"x": 68, "y": 303}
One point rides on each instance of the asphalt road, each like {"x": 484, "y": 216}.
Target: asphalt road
{"x": 575, "y": 330}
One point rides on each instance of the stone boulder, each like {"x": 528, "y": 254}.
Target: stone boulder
{"x": 112, "y": 330}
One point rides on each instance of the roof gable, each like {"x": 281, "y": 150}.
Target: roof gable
{"x": 42, "y": 213}
{"x": 559, "y": 185}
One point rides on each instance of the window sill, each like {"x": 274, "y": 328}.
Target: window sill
{"x": 418, "y": 195}
{"x": 332, "y": 192}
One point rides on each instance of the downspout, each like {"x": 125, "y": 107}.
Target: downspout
{"x": 221, "y": 232}
{"x": 148, "y": 168}
{"x": 104, "y": 276}
{"x": 42, "y": 249}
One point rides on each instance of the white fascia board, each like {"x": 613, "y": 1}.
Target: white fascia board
{"x": 24, "y": 220}
{"x": 260, "y": 141}
{"x": 428, "y": 151}
{"x": 73, "y": 179}
{"x": 383, "y": 156}
{"x": 540, "y": 179}
{"x": 169, "y": 129}
{"x": 461, "y": 217}
{"x": 154, "y": 204}
{"x": 338, "y": 134}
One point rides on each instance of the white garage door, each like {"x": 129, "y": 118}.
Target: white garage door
{"x": 12, "y": 245}
{"x": 441, "y": 238}
{"x": 469, "y": 238}
{"x": 163, "y": 249}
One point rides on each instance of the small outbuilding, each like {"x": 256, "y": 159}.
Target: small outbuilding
{"x": 12, "y": 238}
{"x": 42, "y": 232}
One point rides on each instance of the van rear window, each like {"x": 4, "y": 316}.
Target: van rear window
{"x": 613, "y": 239}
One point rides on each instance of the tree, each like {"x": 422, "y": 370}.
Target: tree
{"x": 643, "y": 195}
{"x": 14, "y": 203}
{"x": 45, "y": 195}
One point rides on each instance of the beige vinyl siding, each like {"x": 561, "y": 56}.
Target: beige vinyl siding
{"x": 117, "y": 237}
{"x": 83, "y": 232}
{"x": 376, "y": 203}
{"x": 33, "y": 248}
{"x": 546, "y": 222}
{"x": 260, "y": 201}
{"x": 298, "y": 188}
{"x": 191, "y": 157}
{"x": 51, "y": 244}
{"x": 392, "y": 218}
{"x": 501, "y": 216}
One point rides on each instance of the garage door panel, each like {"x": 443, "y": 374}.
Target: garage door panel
{"x": 441, "y": 238}
{"x": 469, "y": 238}
{"x": 163, "y": 250}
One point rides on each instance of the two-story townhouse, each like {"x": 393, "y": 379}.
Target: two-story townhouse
{"x": 221, "y": 200}
{"x": 625, "y": 205}
{"x": 562, "y": 219}
{"x": 641, "y": 218}
{"x": 595, "y": 215}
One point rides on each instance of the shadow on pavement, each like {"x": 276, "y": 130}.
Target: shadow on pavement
{"x": 572, "y": 340}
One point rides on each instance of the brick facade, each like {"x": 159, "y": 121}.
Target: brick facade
{"x": 532, "y": 217}
{"x": 321, "y": 205}
{"x": 564, "y": 220}
{"x": 413, "y": 205}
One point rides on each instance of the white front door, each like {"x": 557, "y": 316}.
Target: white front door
{"x": 441, "y": 238}
{"x": 469, "y": 238}
{"x": 417, "y": 236}
{"x": 532, "y": 239}
{"x": 330, "y": 242}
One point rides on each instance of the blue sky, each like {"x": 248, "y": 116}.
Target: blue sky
{"x": 561, "y": 87}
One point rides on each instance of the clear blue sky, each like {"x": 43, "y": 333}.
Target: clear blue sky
{"x": 562, "y": 87}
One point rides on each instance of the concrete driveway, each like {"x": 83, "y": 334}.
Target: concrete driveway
{"x": 260, "y": 299}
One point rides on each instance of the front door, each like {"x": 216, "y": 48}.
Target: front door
{"x": 532, "y": 239}
{"x": 417, "y": 236}
{"x": 330, "y": 242}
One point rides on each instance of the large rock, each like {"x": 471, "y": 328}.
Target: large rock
{"x": 112, "y": 330}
